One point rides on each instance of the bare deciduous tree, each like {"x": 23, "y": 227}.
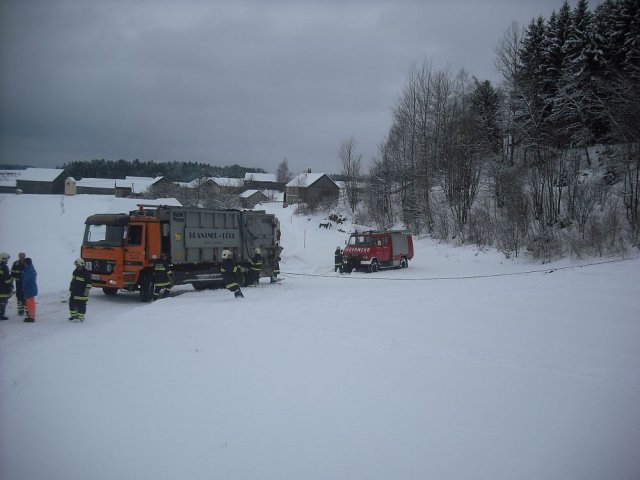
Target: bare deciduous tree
{"x": 283, "y": 174}
{"x": 351, "y": 170}
{"x": 507, "y": 62}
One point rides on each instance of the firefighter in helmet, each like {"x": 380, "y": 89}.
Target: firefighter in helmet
{"x": 79, "y": 291}
{"x": 230, "y": 274}
{"x": 256, "y": 267}
{"x": 161, "y": 273}
{"x": 275, "y": 263}
{"x": 6, "y": 285}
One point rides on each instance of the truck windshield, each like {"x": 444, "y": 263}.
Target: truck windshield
{"x": 360, "y": 240}
{"x": 104, "y": 235}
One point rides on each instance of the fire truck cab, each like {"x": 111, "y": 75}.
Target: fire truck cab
{"x": 373, "y": 250}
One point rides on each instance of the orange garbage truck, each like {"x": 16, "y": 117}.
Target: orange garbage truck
{"x": 119, "y": 249}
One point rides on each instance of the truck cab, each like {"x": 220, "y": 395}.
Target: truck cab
{"x": 118, "y": 248}
{"x": 373, "y": 250}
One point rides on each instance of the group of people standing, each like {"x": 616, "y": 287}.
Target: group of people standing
{"x": 24, "y": 275}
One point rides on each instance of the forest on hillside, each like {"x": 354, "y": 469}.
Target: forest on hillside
{"x": 174, "y": 171}
{"x": 548, "y": 161}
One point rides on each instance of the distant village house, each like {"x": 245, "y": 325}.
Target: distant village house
{"x": 41, "y": 181}
{"x": 314, "y": 189}
{"x": 250, "y": 198}
{"x": 262, "y": 181}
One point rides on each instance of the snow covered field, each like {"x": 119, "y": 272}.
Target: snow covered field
{"x": 463, "y": 366}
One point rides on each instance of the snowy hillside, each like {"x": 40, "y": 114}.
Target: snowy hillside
{"x": 463, "y": 366}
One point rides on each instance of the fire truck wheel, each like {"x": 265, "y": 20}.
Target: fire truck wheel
{"x": 110, "y": 291}
{"x": 404, "y": 263}
{"x": 373, "y": 268}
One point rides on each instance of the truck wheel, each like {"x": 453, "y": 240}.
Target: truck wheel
{"x": 109, "y": 291}
{"x": 373, "y": 268}
{"x": 403, "y": 262}
{"x": 146, "y": 288}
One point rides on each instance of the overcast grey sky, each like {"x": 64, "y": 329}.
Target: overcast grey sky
{"x": 221, "y": 82}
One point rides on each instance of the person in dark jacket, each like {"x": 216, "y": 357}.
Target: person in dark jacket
{"x": 161, "y": 272}
{"x": 79, "y": 291}
{"x": 337, "y": 257}
{"x": 30, "y": 289}
{"x": 230, "y": 274}
{"x": 256, "y": 267}
{"x": 16, "y": 273}
{"x": 6, "y": 285}
{"x": 275, "y": 263}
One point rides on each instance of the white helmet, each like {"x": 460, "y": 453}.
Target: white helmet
{"x": 4, "y": 257}
{"x": 226, "y": 254}
{"x": 79, "y": 261}
{"x": 258, "y": 251}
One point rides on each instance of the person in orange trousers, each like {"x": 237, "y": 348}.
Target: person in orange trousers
{"x": 30, "y": 289}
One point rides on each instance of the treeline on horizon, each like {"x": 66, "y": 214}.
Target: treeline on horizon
{"x": 514, "y": 165}
{"x": 174, "y": 171}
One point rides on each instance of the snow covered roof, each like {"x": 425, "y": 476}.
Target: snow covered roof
{"x": 8, "y": 177}
{"x": 136, "y": 184}
{"x": 260, "y": 177}
{"x": 220, "y": 181}
{"x": 227, "y": 182}
{"x": 306, "y": 179}
{"x": 274, "y": 195}
{"x": 248, "y": 193}
{"x": 96, "y": 182}
{"x": 40, "y": 174}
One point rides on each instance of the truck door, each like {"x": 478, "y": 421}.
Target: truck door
{"x": 134, "y": 249}
{"x": 384, "y": 248}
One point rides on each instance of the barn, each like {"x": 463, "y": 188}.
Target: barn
{"x": 313, "y": 189}
{"x": 42, "y": 181}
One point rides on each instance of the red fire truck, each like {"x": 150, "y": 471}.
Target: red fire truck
{"x": 373, "y": 250}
